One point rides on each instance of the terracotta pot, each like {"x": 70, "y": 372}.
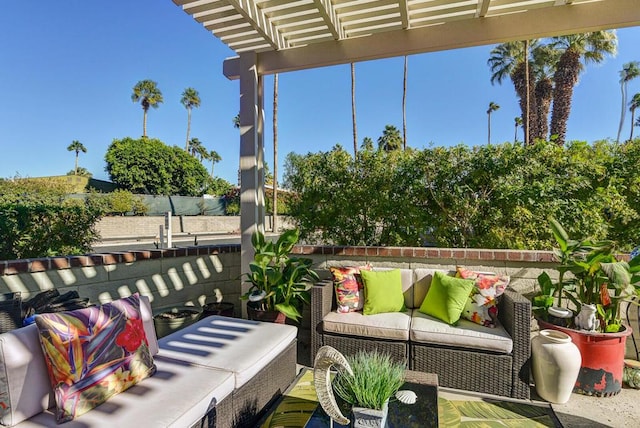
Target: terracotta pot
{"x": 602, "y": 359}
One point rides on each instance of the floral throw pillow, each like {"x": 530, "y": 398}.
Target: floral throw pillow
{"x": 93, "y": 354}
{"x": 482, "y": 305}
{"x": 349, "y": 287}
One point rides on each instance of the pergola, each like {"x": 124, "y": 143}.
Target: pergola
{"x": 273, "y": 36}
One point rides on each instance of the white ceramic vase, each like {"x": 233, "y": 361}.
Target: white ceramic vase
{"x": 556, "y": 363}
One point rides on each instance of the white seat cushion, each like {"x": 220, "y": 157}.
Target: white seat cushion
{"x": 25, "y": 389}
{"x": 390, "y": 325}
{"x": 177, "y": 396}
{"x": 241, "y": 346}
{"x": 466, "y": 334}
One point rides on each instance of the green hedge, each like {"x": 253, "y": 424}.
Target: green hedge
{"x": 495, "y": 196}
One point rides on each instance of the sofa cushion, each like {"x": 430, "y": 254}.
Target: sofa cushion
{"x": 177, "y": 396}
{"x": 241, "y": 346}
{"x": 390, "y": 325}
{"x": 427, "y": 329}
{"x": 25, "y": 389}
{"x": 94, "y": 353}
{"x": 406, "y": 276}
{"x": 482, "y": 305}
{"x": 349, "y": 288}
{"x": 446, "y": 297}
{"x": 383, "y": 292}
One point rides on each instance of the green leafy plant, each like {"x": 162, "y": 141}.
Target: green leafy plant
{"x": 596, "y": 277}
{"x": 376, "y": 378}
{"x": 279, "y": 281}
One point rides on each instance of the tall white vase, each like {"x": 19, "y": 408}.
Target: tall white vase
{"x": 556, "y": 363}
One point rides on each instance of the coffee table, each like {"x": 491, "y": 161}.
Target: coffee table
{"x": 422, "y": 414}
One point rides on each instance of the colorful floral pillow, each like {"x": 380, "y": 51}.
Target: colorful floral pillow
{"x": 349, "y": 287}
{"x": 482, "y": 305}
{"x": 93, "y": 354}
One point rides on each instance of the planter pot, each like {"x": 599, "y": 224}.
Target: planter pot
{"x": 369, "y": 418}
{"x": 256, "y": 314}
{"x": 223, "y": 308}
{"x": 173, "y": 319}
{"x": 556, "y": 364}
{"x": 602, "y": 359}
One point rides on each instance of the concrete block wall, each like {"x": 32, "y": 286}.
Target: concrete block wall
{"x": 173, "y": 277}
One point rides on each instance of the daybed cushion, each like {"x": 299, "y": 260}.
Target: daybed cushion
{"x": 391, "y": 325}
{"x": 466, "y": 334}
{"x": 177, "y": 396}
{"x": 94, "y": 353}
{"x": 206, "y": 343}
{"x": 20, "y": 354}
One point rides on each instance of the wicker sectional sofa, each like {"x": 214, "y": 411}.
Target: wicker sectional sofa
{"x": 219, "y": 372}
{"x": 467, "y": 356}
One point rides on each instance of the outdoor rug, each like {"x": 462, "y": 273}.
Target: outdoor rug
{"x": 299, "y": 408}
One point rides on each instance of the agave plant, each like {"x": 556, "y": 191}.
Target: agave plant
{"x": 596, "y": 277}
{"x": 279, "y": 281}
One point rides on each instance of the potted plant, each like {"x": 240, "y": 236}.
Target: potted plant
{"x": 592, "y": 283}
{"x": 279, "y": 281}
{"x": 375, "y": 378}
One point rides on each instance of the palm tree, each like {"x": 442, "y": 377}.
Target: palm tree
{"x": 588, "y": 47}
{"x": 390, "y": 139}
{"x": 148, "y": 94}
{"x": 633, "y": 105}
{"x": 275, "y": 153}
{"x": 214, "y": 157}
{"x": 518, "y": 123}
{"x": 511, "y": 60}
{"x": 544, "y": 60}
{"x": 492, "y": 107}
{"x": 76, "y": 146}
{"x": 629, "y": 71}
{"x": 404, "y": 104}
{"x": 197, "y": 149}
{"x": 190, "y": 99}
{"x": 353, "y": 110}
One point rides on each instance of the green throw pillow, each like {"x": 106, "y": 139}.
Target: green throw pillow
{"x": 446, "y": 297}
{"x": 382, "y": 291}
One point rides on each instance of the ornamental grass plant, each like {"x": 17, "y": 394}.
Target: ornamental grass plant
{"x": 376, "y": 378}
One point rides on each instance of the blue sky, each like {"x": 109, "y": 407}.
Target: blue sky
{"x": 68, "y": 69}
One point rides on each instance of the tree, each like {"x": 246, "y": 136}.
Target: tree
{"x": 404, "y": 104}
{"x": 197, "y": 149}
{"x": 633, "y": 105}
{"x": 510, "y": 60}
{"x": 214, "y": 157}
{"x": 544, "y": 60}
{"x": 390, "y": 139}
{"x": 190, "y": 99}
{"x": 147, "y": 93}
{"x": 76, "y": 146}
{"x": 518, "y": 122}
{"x": 275, "y": 153}
{"x": 353, "y": 110}
{"x": 492, "y": 107}
{"x": 149, "y": 166}
{"x": 80, "y": 171}
{"x": 630, "y": 71}
{"x": 576, "y": 49}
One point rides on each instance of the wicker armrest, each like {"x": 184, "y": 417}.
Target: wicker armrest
{"x": 321, "y": 301}
{"x": 514, "y": 312}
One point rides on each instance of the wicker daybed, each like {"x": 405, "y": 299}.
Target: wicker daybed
{"x": 465, "y": 357}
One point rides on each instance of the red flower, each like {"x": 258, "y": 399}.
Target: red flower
{"x": 132, "y": 336}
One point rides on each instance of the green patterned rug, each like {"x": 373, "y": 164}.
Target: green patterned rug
{"x": 298, "y": 404}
